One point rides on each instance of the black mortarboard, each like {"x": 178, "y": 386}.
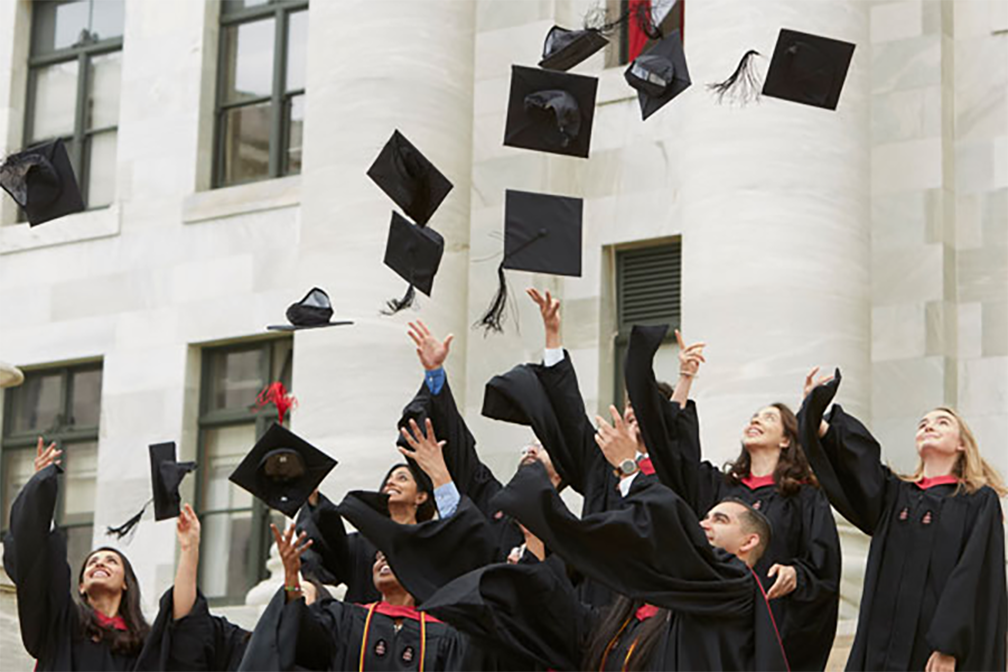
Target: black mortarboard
{"x": 166, "y": 475}
{"x": 565, "y": 48}
{"x": 550, "y": 111}
{"x": 542, "y": 234}
{"x": 282, "y": 470}
{"x": 660, "y": 74}
{"x": 414, "y": 252}
{"x": 42, "y": 182}
{"x": 409, "y": 179}
{"x": 808, "y": 69}
{"x": 311, "y": 312}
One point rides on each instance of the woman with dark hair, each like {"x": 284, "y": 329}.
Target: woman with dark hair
{"x": 771, "y": 473}
{"x": 102, "y": 626}
{"x": 934, "y": 594}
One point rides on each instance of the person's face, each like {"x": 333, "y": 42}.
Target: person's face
{"x": 381, "y": 573}
{"x": 938, "y": 431}
{"x": 631, "y": 421}
{"x": 723, "y": 528}
{"x": 402, "y": 488}
{"x": 104, "y": 571}
{"x": 764, "y": 430}
{"x": 534, "y": 452}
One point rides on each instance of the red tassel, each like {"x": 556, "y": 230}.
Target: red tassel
{"x": 276, "y": 394}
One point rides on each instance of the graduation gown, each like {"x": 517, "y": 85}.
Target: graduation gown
{"x": 653, "y": 549}
{"x": 35, "y": 557}
{"x": 335, "y": 635}
{"x": 935, "y": 575}
{"x": 804, "y": 530}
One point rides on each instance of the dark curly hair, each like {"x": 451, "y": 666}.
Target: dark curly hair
{"x": 126, "y": 642}
{"x": 792, "y": 467}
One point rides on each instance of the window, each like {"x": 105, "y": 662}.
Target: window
{"x": 74, "y": 71}
{"x": 630, "y": 40}
{"x": 260, "y": 90}
{"x": 648, "y": 285}
{"x": 61, "y": 405}
{"x": 235, "y": 535}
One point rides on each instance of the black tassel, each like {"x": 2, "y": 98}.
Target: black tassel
{"x": 493, "y": 317}
{"x": 393, "y": 306}
{"x": 127, "y": 528}
{"x": 743, "y": 86}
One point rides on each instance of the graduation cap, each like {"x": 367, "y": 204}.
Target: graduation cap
{"x": 166, "y": 476}
{"x": 542, "y": 234}
{"x": 564, "y": 48}
{"x": 10, "y": 375}
{"x": 660, "y": 74}
{"x": 550, "y": 111}
{"x": 41, "y": 180}
{"x": 409, "y": 179}
{"x": 282, "y": 470}
{"x": 808, "y": 69}
{"x": 311, "y": 312}
{"x": 414, "y": 252}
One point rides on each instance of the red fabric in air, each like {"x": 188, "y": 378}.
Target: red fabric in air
{"x": 636, "y": 37}
{"x": 276, "y": 394}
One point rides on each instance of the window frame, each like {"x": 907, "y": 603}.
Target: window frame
{"x": 279, "y": 98}
{"x": 58, "y": 434}
{"x": 80, "y": 149}
{"x": 260, "y": 538}
{"x": 623, "y": 34}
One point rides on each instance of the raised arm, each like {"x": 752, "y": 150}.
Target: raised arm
{"x": 333, "y": 555}
{"x": 187, "y": 529}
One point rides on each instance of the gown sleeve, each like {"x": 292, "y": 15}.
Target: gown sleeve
{"x": 335, "y": 555}
{"x": 651, "y": 549}
{"x": 40, "y": 567}
{"x": 291, "y": 635}
{"x": 970, "y": 616}
{"x": 818, "y": 564}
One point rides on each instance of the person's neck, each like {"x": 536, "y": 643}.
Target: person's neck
{"x": 399, "y": 599}
{"x": 763, "y": 461}
{"x": 938, "y": 464}
{"x": 106, "y": 603}
{"x": 746, "y": 557}
{"x": 403, "y": 514}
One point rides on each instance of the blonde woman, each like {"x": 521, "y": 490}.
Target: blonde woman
{"x": 934, "y": 595}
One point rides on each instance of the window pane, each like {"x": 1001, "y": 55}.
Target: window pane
{"x": 295, "y": 134}
{"x": 297, "y": 50}
{"x": 226, "y": 542}
{"x": 58, "y": 25}
{"x": 86, "y": 402}
{"x": 107, "y": 19}
{"x": 55, "y": 101}
{"x": 80, "y": 464}
{"x": 18, "y": 467}
{"x": 248, "y": 59}
{"x": 101, "y": 169}
{"x": 236, "y": 5}
{"x": 224, "y": 448}
{"x": 235, "y": 378}
{"x": 246, "y": 143}
{"x": 78, "y": 546}
{"x": 105, "y": 73}
{"x": 36, "y": 403}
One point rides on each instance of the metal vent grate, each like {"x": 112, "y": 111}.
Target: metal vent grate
{"x": 648, "y": 285}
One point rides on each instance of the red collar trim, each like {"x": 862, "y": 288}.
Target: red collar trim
{"x": 645, "y": 466}
{"x": 925, "y": 483}
{"x": 117, "y": 622}
{"x": 646, "y": 611}
{"x": 395, "y": 611}
{"x": 753, "y": 482}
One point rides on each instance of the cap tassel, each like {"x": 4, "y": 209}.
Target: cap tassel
{"x": 276, "y": 394}
{"x": 493, "y": 317}
{"x": 127, "y": 528}
{"x": 744, "y": 85}
{"x": 393, "y": 306}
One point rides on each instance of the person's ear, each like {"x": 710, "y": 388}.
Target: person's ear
{"x": 421, "y": 497}
{"x": 751, "y": 542}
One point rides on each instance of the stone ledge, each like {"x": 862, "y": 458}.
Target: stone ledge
{"x": 282, "y": 192}
{"x": 81, "y": 226}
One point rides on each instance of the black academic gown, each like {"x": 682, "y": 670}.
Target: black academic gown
{"x": 935, "y": 576}
{"x": 653, "y": 549}
{"x": 804, "y": 530}
{"x": 330, "y": 635}
{"x": 337, "y": 556}
{"x": 36, "y": 559}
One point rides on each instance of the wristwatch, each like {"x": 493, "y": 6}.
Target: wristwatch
{"x": 628, "y": 466}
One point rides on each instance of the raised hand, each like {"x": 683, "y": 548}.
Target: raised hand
{"x": 46, "y": 456}
{"x": 187, "y": 529}
{"x": 549, "y": 308}
{"x": 431, "y": 351}
{"x": 690, "y": 357}
{"x": 291, "y": 549}
{"x": 940, "y": 662}
{"x": 811, "y": 383}
{"x": 427, "y": 451}
{"x": 616, "y": 441}
{"x": 787, "y": 581}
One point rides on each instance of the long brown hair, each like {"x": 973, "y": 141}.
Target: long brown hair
{"x": 126, "y": 642}
{"x": 972, "y": 470}
{"x": 609, "y": 628}
{"x": 792, "y": 466}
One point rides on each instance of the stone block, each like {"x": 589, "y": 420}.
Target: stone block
{"x": 908, "y": 114}
{"x": 913, "y": 274}
{"x": 896, "y": 21}
{"x": 903, "y": 166}
{"x": 994, "y": 218}
{"x": 905, "y": 388}
{"x": 983, "y": 386}
{"x": 941, "y": 327}
{"x": 983, "y": 274}
{"x": 969, "y": 338}
{"x": 899, "y": 220}
{"x": 994, "y": 321}
{"x": 898, "y": 332}
{"x": 906, "y": 64}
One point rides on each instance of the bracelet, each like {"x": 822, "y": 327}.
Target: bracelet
{"x": 292, "y": 589}
{"x": 683, "y": 374}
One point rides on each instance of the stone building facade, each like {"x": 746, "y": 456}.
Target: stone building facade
{"x": 874, "y": 238}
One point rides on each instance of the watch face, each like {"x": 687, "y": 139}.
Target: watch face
{"x": 628, "y": 466}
